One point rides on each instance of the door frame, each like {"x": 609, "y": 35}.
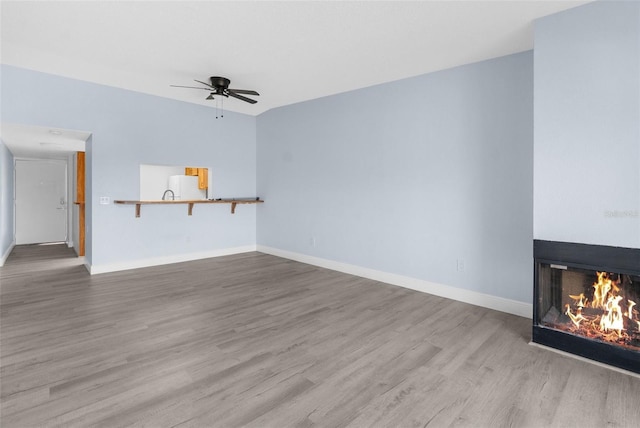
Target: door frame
{"x": 80, "y": 183}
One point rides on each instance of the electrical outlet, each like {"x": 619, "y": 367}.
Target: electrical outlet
{"x": 312, "y": 241}
{"x": 104, "y": 200}
{"x": 460, "y": 265}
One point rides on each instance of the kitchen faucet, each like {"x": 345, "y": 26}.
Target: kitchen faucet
{"x": 173, "y": 195}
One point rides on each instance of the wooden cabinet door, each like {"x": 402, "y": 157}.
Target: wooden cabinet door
{"x": 202, "y": 173}
{"x": 203, "y": 178}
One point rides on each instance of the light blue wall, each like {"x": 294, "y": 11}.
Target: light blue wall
{"x": 130, "y": 128}
{"x": 6, "y": 199}
{"x": 587, "y": 125}
{"x": 410, "y": 176}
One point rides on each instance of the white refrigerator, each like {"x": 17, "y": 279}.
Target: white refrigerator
{"x": 185, "y": 187}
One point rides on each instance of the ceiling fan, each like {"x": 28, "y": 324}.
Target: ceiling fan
{"x": 220, "y": 86}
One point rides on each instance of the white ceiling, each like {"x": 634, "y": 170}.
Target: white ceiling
{"x": 25, "y": 141}
{"x": 288, "y": 51}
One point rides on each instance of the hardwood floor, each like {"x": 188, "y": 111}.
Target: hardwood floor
{"x": 255, "y": 340}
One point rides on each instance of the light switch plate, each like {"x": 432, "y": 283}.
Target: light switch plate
{"x": 104, "y": 200}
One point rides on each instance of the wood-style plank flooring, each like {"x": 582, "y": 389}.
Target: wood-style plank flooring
{"x": 255, "y": 340}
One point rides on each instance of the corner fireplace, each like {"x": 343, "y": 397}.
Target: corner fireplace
{"x": 587, "y": 301}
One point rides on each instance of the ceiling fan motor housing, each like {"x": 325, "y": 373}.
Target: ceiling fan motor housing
{"x": 220, "y": 82}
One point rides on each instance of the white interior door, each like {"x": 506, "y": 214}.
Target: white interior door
{"x": 41, "y": 201}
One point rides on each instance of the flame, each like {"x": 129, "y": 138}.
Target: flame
{"x": 612, "y": 318}
{"x": 605, "y": 297}
{"x": 601, "y": 290}
{"x": 581, "y": 302}
{"x": 574, "y": 318}
{"x": 605, "y": 315}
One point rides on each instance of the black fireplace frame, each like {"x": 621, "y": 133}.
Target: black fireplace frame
{"x": 591, "y": 257}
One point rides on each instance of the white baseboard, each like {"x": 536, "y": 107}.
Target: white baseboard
{"x": 4, "y": 256}
{"x": 156, "y": 261}
{"x": 467, "y": 296}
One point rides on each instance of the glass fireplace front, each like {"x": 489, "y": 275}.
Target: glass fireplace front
{"x": 587, "y": 301}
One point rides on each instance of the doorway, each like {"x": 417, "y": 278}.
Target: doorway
{"x": 32, "y": 143}
{"x": 41, "y": 201}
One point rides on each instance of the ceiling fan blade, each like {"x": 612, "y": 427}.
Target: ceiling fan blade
{"x": 190, "y": 87}
{"x": 210, "y": 97}
{"x": 244, "y": 91}
{"x": 204, "y": 83}
{"x": 240, "y": 97}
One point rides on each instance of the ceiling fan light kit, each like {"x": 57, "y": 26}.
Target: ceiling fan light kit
{"x": 220, "y": 86}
